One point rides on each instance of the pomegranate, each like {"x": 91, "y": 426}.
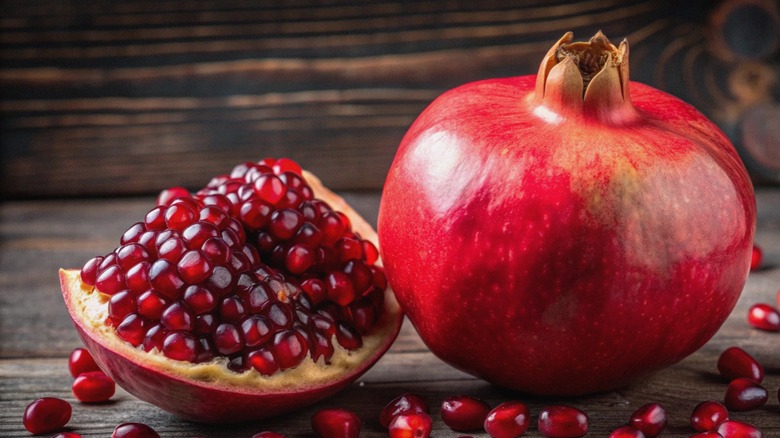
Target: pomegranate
{"x": 336, "y": 423}
{"x": 258, "y": 294}
{"x": 47, "y": 414}
{"x": 735, "y": 362}
{"x": 708, "y": 415}
{"x": 563, "y": 422}
{"x": 463, "y": 413}
{"x": 568, "y": 232}
{"x": 403, "y": 404}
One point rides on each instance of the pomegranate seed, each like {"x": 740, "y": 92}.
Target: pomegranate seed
{"x": 403, "y": 404}
{"x": 67, "y": 435}
{"x": 197, "y": 233}
{"x": 134, "y": 430}
{"x": 194, "y": 267}
{"x": 650, "y": 419}
{"x": 339, "y": 288}
{"x": 710, "y": 434}
{"x": 131, "y": 329}
{"x": 348, "y": 337}
{"x": 744, "y": 395}
{"x": 332, "y": 227}
{"x": 348, "y": 249}
{"x": 167, "y": 196}
{"x": 137, "y": 278}
{"x": 765, "y": 317}
{"x": 507, "y": 420}
{"x": 155, "y": 218}
{"x": 151, "y": 305}
{"x": 216, "y": 250}
{"x": 171, "y": 249}
{"x": 735, "y": 362}
{"x": 205, "y": 324}
{"x": 255, "y": 213}
{"x": 299, "y": 259}
{"x": 463, "y": 413}
{"x": 264, "y": 361}
{"x": 111, "y": 280}
{"x": 370, "y": 253}
{"x": 286, "y": 165}
{"x": 214, "y": 215}
{"x": 164, "y": 278}
{"x": 336, "y": 423}
{"x": 268, "y": 434}
{"x": 756, "y": 258}
{"x": 626, "y": 432}
{"x": 270, "y": 188}
{"x": 256, "y": 331}
{"x": 221, "y": 281}
{"x": 707, "y": 415}
{"x": 93, "y": 387}
{"x": 360, "y": 275}
{"x": 411, "y": 425}
{"x": 562, "y": 422}
{"x": 131, "y": 254}
{"x": 738, "y": 429}
{"x": 177, "y": 317}
{"x": 180, "y": 346}
{"x": 199, "y": 300}
{"x": 221, "y": 202}
{"x": 290, "y": 348}
{"x": 321, "y": 346}
{"x": 227, "y": 339}
{"x": 179, "y": 216}
{"x": 285, "y": 223}
{"x": 81, "y": 361}
{"x": 155, "y": 338}
{"x": 89, "y": 271}
{"x": 120, "y": 305}
{"x": 133, "y": 233}
{"x": 46, "y": 415}
{"x": 315, "y": 290}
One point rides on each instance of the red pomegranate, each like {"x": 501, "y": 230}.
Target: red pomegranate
{"x": 261, "y": 293}
{"x": 566, "y": 232}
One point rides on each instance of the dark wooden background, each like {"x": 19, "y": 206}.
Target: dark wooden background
{"x": 105, "y": 98}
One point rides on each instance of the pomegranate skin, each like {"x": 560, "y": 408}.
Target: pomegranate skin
{"x": 559, "y": 252}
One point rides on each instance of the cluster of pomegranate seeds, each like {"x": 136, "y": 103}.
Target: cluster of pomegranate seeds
{"x": 252, "y": 267}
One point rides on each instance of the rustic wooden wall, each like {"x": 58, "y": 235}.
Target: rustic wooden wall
{"x": 124, "y": 98}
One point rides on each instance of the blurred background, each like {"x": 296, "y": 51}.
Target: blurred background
{"x": 105, "y": 98}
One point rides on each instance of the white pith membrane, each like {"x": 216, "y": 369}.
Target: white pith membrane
{"x": 89, "y": 308}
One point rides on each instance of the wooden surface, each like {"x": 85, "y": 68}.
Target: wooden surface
{"x": 36, "y": 336}
{"x": 104, "y": 98}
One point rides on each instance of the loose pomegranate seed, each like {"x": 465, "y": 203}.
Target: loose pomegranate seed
{"x": 710, "y": 434}
{"x": 463, "y": 413}
{"x": 626, "y": 432}
{"x": 735, "y": 362}
{"x": 738, "y": 429}
{"x": 134, "y": 430}
{"x": 744, "y": 395}
{"x": 761, "y": 316}
{"x": 81, "y": 361}
{"x": 507, "y": 420}
{"x": 89, "y": 271}
{"x": 411, "y": 425}
{"x": 180, "y": 346}
{"x": 67, "y": 435}
{"x": 562, "y": 422}
{"x": 403, "y": 404}
{"x": 650, "y": 419}
{"x": 756, "y": 258}
{"x": 47, "y": 414}
{"x": 93, "y": 387}
{"x": 268, "y": 434}
{"x": 336, "y": 423}
{"x": 707, "y": 415}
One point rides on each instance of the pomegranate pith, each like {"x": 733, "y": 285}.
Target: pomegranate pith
{"x": 213, "y": 289}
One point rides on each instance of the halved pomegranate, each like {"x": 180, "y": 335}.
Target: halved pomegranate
{"x": 261, "y": 293}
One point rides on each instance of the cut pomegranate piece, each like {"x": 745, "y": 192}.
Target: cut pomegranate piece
{"x": 134, "y": 430}
{"x": 336, "y": 423}
{"x": 249, "y": 278}
{"x": 650, "y": 419}
{"x": 463, "y": 413}
{"x": 93, "y": 387}
{"x": 738, "y": 429}
{"x": 81, "y": 361}
{"x": 763, "y": 316}
{"x": 744, "y": 395}
{"x": 626, "y": 432}
{"x": 403, "y": 404}
{"x": 562, "y": 422}
{"x": 47, "y": 414}
{"x": 507, "y": 420}
{"x": 411, "y": 425}
{"x": 708, "y": 415}
{"x": 735, "y": 362}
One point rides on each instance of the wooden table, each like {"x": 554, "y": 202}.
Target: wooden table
{"x": 36, "y": 337}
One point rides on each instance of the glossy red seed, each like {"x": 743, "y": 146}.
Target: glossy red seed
{"x": 285, "y": 223}
{"x": 360, "y": 275}
{"x": 255, "y": 213}
{"x": 348, "y": 337}
{"x": 177, "y": 317}
{"x": 180, "y": 346}
{"x": 336, "y": 423}
{"x": 46, "y": 415}
{"x": 133, "y": 233}
{"x": 111, "y": 280}
{"x": 197, "y": 233}
{"x": 89, "y": 271}
{"x": 155, "y": 218}
{"x": 263, "y": 360}
{"x": 735, "y": 362}
{"x": 765, "y": 317}
{"x": 370, "y": 253}
{"x": 270, "y": 188}
{"x": 290, "y": 348}
{"x": 171, "y": 249}
{"x": 707, "y": 415}
{"x": 164, "y": 278}
{"x": 194, "y": 267}
{"x": 137, "y": 278}
{"x": 507, "y": 420}
{"x": 650, "y": 419}
{"x": 67, "y": 435}
{"x": 221, "y": 281}
{"x": 744, "y": 395}
{"x": 151, "y": 305}
{"x": 167, "y": 196}
{"x": 756, "y": 258}
{"x": 199, "y": 300}
{"x": 339, "y": 288}
{"x": 231, "y": 309}
{"x": 130, "y": 254}
{"x": 179, "y": 216}
{"x": 403, "y": 404}
{"x": 738, "y": 429}
{"x": 93, "y": 387}
{"x": 299, "y": 259}
{"x": 134, "y": 430}
{"x": 256, "y": 331}
{"x": 463, "y": 413}
{"x": 131, "y": 329}
{"x": 286, "y": 165}
{"x": 268, "y": 434}
{"x": 216, "y": 250}
{"x": 228, "y": 339}
{"x": 332, "y": 227}
{"x": 711, "y": 434}
{"x": 626, "y": 432}
{"x": 320, "y": 346}
{"x": 411, "y": 425}
{"x": 120, "y": 305}
{"x": 154, "y": 338}
{"x": 562, "y": 422}
{"x": 81, "y": 361}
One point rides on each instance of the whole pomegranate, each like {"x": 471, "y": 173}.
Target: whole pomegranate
{"x": 557, "y": 234}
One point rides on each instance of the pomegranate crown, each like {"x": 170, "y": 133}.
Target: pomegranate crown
{"x": 589, "y": 78}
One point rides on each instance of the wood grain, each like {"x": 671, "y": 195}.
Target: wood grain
{"x": 36, "y": 336}
{"x": 112, "y": 98}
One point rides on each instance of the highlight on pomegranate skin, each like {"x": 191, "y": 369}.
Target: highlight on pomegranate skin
{"x": 261, "y": 273}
